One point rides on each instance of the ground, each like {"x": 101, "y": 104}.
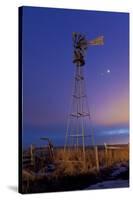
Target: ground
{"x": 118, "y": 178}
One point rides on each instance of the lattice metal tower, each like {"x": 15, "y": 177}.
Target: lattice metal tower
{"x": 76, "y": 135}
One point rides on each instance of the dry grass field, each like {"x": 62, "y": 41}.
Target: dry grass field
{"x": 71, "y": 173}
{"x": 71, "y": 161}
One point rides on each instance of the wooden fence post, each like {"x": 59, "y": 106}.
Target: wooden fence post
{"x": 106, "y": 154}
{"x": 97, "y": 158}
{"x": 32, "y": 154}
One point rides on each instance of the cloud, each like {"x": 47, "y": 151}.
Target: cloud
{"x": 121, "y": 131}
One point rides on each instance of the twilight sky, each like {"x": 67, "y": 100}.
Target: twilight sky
{"x": 48, "y": 71}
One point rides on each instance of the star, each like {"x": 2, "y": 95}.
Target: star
{"x": 108, "y": 71}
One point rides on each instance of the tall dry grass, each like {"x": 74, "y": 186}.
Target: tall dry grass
{"x": 71, "y": 171}
{"x": 70, "y": 162}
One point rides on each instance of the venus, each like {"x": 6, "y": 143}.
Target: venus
{"x": 108, "y": 71}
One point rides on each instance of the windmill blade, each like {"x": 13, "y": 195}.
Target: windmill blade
{"x": 74, "y": 37}
{"x": 80, "y": 37}
{"x": 97, "y": 41}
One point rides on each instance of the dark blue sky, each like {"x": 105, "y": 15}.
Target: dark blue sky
{"x": 48, "y": 70}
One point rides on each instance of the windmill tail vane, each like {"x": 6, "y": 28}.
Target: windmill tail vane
{"x": 97, "y": 41}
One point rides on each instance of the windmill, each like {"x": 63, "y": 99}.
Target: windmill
{"x": 79, "y": 114}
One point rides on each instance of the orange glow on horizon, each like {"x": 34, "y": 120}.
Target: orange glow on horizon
{"x": 116, "y": 112}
